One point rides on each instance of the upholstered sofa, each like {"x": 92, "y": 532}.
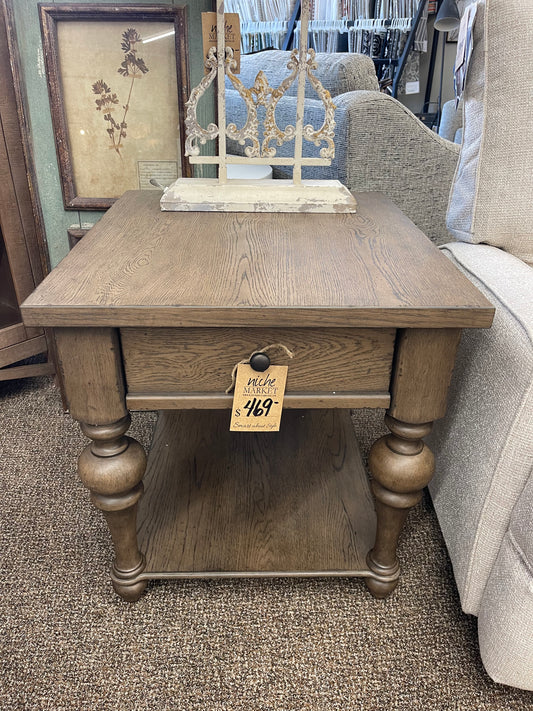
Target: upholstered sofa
{"x": 380, "y": 145}
{"x": 483, "y": 486}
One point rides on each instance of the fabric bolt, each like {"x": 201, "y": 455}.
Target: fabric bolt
{"x": 70, "y": 644}
{"x": 497, "y": 134}
{"x": 483, "y": 448}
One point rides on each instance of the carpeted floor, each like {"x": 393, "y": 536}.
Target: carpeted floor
{"x": 68, "y": 642}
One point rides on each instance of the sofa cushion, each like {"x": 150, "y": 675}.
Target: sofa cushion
{"x": 491, "y": 199}
{"x": 338, "y": 72}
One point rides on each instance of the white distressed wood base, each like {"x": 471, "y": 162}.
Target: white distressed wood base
{"x": 208, "y": 195}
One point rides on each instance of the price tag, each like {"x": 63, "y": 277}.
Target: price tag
{"x": 232, "y": 34}
{"x": 258, "y": 399}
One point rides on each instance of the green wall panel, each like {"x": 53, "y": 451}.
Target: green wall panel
{"x": 56, "y": 219}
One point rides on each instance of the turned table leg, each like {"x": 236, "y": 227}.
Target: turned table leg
{"x": 112, "y": 467}
{"x": 401, "y": 466}
{"x": 400, "y": 463}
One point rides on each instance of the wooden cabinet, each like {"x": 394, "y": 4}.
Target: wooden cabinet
{"x": 23, "y": 261}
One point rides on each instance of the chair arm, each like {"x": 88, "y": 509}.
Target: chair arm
{"x": 386, "y": 148}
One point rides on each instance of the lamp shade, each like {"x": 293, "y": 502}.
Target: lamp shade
{"x": 447, "y": 17}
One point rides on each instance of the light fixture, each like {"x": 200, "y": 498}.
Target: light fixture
{"x": 447, "y": 17}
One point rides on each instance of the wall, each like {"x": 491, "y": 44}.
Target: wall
{"x": 27, "y": 27}
{"x": 415, "y": 102}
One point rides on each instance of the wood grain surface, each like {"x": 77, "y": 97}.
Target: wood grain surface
{"x": 18, "y": 203}
{"x": 286, "y": 502}
{"x": 12, "y": 335}
{"x": 294, "y": 400}
{"x": 22, "y": 350}
{"x": 27, "y": 371}
{"x": 139, "y": 266}
{"x": 89, "y": 360}
{"x": 424, "y": 367}
{"x": 23, "y": 255}
{"x": 201, "y": 360}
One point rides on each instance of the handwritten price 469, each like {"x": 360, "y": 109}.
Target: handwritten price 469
{"x": 257, "y": 407}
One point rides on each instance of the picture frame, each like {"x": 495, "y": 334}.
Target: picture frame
{"x": 118, "y": 81}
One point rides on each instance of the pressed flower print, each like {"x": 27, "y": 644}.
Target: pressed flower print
{"x": 132, "y": 67}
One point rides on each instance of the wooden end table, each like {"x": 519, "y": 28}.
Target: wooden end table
{"x": 152, "y": 310}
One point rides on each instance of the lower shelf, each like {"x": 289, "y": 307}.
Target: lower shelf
{"x": 220, "y": 504}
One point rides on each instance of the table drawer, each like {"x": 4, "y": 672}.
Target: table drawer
{"x": 201, "y": 360}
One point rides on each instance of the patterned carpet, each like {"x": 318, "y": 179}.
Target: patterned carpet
{"x": 67, "y": 642}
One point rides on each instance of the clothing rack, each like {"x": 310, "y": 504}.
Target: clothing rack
{"x": 385, "y": 30}
{"x": 401, "y": 61}
{"x": 389, "y": 57}
{"x": 258, "y": 36}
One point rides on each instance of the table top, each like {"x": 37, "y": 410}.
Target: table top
{"x": 139, "y": 266}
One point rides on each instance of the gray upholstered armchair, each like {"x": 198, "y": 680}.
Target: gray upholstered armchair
{"x": 380, "y": 145}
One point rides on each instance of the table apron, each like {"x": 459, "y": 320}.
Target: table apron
{"x": 178, "y": 368}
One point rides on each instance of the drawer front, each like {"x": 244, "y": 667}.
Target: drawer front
{"x": 201, "y": 360}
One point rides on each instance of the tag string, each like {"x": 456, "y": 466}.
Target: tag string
{"x": 272, "y": 349}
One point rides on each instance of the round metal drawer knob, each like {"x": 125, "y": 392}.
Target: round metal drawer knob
{"x": 260, "y": 362}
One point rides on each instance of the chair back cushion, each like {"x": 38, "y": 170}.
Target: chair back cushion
{"x": 338, "y": 72}
{"x": 492, "y": 195}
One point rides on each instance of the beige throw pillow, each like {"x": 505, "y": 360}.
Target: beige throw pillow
{"x": 492, "y": 196}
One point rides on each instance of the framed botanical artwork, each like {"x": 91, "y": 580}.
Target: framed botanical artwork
{"x": 118, "y": 80}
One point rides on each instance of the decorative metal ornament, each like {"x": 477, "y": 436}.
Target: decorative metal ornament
{"x": 194, "y": 132}
{"x": 221, "y": 194}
